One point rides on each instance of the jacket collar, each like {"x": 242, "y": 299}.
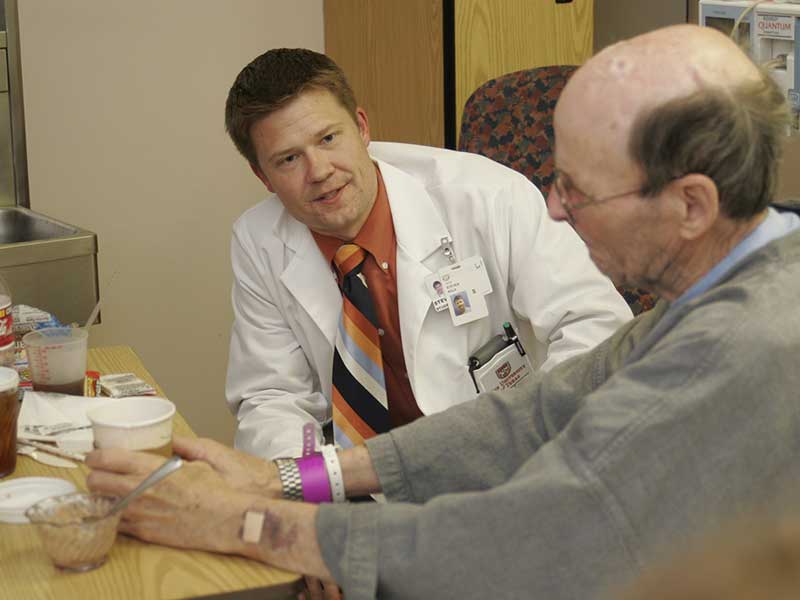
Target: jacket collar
{"x": 419, "y": 228}
{"x": 417, "y": 223}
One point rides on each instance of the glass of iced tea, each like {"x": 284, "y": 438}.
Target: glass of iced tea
{"x": 134, "y": 423}
{"x": 57, "y": 358}
{"x": 9, "y": 411}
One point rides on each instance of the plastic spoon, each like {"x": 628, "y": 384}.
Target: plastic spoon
{"x": 44, "y": 458}
{"x": 172, "y": 465}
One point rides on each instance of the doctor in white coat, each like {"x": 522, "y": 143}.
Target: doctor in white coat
{"x": 293, "y": 116}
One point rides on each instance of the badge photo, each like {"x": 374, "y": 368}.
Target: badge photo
{"x": 436, "y": 291}
{"x": 466, "y": 307}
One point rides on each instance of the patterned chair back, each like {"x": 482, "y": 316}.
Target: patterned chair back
{"x": 510, "y": 120}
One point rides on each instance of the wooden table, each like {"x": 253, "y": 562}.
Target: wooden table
{"x": 134, "y": 569}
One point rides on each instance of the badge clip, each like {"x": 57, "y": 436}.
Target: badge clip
{"x": 447, "y": 249}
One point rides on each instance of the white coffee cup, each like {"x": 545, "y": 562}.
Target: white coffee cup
{"x": 134, "y": 423}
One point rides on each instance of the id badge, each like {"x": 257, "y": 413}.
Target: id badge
{"x": 460, "y": 288}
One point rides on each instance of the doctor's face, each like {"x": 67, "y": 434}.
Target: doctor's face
{"x": 313, "y": 155}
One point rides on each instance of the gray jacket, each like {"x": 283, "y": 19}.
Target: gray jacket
{"x": 685, "y": 417}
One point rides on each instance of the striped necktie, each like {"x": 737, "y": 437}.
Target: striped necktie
{"x": 360, "y": 409}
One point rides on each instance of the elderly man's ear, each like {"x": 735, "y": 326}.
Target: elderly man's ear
{"x": 697, "y": 201}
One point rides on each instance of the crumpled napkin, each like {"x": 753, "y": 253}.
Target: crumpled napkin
{"x": 45, "y": 408}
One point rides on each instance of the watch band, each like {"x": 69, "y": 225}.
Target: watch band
{"x": 289, "y": 474}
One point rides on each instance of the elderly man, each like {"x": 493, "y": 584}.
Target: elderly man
{"x": 666, "y": 148}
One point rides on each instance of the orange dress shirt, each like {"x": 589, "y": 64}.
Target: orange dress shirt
{"x": 377, "y": 237}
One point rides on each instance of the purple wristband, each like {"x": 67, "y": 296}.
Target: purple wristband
{"x": 314, "y": 478}
{"x": 309, "y": 439}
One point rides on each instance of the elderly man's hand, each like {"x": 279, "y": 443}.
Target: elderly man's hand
{"x": 320, "y": 589}
{"x": 243, "y": 472}
{"x": 194, "y": 507}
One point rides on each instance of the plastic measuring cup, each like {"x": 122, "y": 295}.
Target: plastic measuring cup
{"x": 57, "y": 358}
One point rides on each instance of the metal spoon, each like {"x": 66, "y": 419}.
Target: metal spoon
{"x": 172, "y": 465}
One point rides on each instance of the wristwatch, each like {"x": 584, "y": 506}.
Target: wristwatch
{"x": 289, "y": 474}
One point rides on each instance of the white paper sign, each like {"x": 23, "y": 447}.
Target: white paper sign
{"x": 779, "y": 27}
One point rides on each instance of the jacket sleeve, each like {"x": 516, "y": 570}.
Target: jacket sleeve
{"x": 553, "y": 282}
{"x": 484, "y": 443}
{"x": 679, "y": 439}
{"x": 462, "y": 516}
{"x": 270, "y": 385}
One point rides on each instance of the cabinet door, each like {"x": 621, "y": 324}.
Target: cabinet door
{"x": 398, "y": 54}
{"x": 494, "y": 37}
{"x": 391, "y": 52}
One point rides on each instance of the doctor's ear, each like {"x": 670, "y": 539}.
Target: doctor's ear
{"x": 362, "y": 122}
{"x": 258, "y": 173}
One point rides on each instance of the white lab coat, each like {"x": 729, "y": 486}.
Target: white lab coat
{"x": 287, "y": 304}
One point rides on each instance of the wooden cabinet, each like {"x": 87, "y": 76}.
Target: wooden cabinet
{"x": 413, "y": 63}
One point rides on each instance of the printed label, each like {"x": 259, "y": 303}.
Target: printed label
{"x": 775, "y": 26}
{"x": 6, "y": 322}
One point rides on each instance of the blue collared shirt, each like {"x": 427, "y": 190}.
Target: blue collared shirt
{"x": 775, "y": 226}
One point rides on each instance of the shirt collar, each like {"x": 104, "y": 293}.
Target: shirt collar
{"x": 774, "y": 226}
{"x": 376, "y": 235}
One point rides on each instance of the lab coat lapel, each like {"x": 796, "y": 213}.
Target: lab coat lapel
{"x": 308, "y": 278}
{"x": 419, "y": 229}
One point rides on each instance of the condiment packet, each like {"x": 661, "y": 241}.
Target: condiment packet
{"x": 90, "y": 387}
{"x": 28, "y": 318}
{"x": 119, "y": 385}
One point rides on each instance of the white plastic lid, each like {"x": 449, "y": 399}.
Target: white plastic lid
{"x": 9, "y": 379}
{"x": 17, "y": 495}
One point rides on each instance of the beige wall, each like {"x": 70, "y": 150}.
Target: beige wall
{"x": 124, "y": 112}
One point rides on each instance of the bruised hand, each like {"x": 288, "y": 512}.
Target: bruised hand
{"x": 194, "y": 507}
{"x": 243, "y": 472}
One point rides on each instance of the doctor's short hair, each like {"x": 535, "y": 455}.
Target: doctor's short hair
{"x": 274, "y": 79}
{"x": 733, "y": 135}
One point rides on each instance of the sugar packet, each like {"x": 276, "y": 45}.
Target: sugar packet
{"x": 119, "y": 385}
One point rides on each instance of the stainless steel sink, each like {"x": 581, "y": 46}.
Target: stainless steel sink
{"x": 48, "y": 264}
{"x": 20, "y": 225}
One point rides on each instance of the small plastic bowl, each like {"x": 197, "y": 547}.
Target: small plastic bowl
{"x": 74, "y": 529}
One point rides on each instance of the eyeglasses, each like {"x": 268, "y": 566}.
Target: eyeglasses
{"x": 572, "y": 198}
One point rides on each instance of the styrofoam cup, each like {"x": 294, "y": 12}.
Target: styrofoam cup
{"x": 134, "y": 423}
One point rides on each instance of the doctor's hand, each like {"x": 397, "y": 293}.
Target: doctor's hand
{"x": 243, "y": 472}
{"x": 194, "y": 507}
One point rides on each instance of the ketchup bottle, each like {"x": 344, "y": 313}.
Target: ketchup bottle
{"x": 6, "y": 326}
